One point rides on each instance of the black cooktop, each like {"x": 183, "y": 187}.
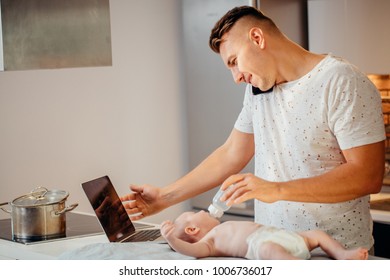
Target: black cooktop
{"x": 77, "y": 225}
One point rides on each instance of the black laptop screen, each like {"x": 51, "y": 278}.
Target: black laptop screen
{"x": 108, "y": 208}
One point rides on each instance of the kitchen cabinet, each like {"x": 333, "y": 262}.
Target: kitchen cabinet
{"x": 46, "y": 34}
{"x": 380, "y": 211}
{"x": 381, "y": 234}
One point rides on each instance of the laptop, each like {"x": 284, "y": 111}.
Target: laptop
{"x": 112, "y": 215}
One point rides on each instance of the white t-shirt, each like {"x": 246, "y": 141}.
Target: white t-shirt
{"x": 300, "y": 130}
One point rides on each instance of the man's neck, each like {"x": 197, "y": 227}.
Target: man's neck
{"x": 294, "y": 62}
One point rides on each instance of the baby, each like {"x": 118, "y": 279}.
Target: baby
{"x": 200, "y": 235}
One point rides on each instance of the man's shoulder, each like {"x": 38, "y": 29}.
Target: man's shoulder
{"x": 336, "y": 65}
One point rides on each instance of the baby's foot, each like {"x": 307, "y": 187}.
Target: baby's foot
{"x": 356, "y": 254}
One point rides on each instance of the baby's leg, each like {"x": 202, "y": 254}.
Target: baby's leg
{"x": 272, "y": 251}
{"x": 332, "y": 247}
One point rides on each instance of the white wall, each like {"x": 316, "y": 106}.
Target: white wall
{"x": 62, "y": 127}
{"x": 357, "y": 30}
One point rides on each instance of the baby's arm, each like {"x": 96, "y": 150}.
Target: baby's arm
{"x": 198, "y": 250}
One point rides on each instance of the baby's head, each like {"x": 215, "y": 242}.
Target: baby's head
{"x": 192, "y": 226}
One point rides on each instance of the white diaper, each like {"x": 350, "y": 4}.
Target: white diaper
{"x": 291, "y": 241}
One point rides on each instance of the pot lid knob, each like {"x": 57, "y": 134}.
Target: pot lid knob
{"x": 39, "y": 193}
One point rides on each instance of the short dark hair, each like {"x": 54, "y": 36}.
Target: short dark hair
{"x": 229, "y": 19}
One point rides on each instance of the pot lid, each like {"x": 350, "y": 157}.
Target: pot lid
{"x": 41, "y": 196}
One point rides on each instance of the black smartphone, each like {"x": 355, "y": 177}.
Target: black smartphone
{"x": 257, "y": 91}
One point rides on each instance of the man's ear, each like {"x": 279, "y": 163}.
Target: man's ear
{"x": 191, "y": 230}
{"x": 256, "y": 35}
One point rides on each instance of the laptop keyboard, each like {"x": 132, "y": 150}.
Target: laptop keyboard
{"x": 144, "y": 235}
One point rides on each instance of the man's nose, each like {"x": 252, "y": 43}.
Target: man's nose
{"x": 238, "y": 77}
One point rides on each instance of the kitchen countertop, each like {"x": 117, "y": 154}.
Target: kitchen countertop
{"x": 380, "y": 205}
{"x": 45, "y": 251}
{"x": 386, "y": 181}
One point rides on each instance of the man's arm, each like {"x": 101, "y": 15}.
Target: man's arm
{"x": 360, "y": 175}
{"x": 228, "y": 159}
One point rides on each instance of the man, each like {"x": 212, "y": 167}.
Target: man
{"x": 316, "y": 132}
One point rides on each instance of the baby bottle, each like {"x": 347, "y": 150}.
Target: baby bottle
{"x": 218, "y": 207}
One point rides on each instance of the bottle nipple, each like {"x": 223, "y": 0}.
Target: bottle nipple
{"x": 217, "y": 207}
{"x": 215, "y": 212}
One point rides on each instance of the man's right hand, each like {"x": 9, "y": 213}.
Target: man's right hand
{"x": 145, "y": 200}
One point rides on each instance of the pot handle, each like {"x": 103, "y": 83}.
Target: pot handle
{"x": 66, "y": 209}
{"x": 5, "y": 210}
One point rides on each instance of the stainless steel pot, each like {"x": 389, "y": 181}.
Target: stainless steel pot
{"x": 39, "y": 215}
